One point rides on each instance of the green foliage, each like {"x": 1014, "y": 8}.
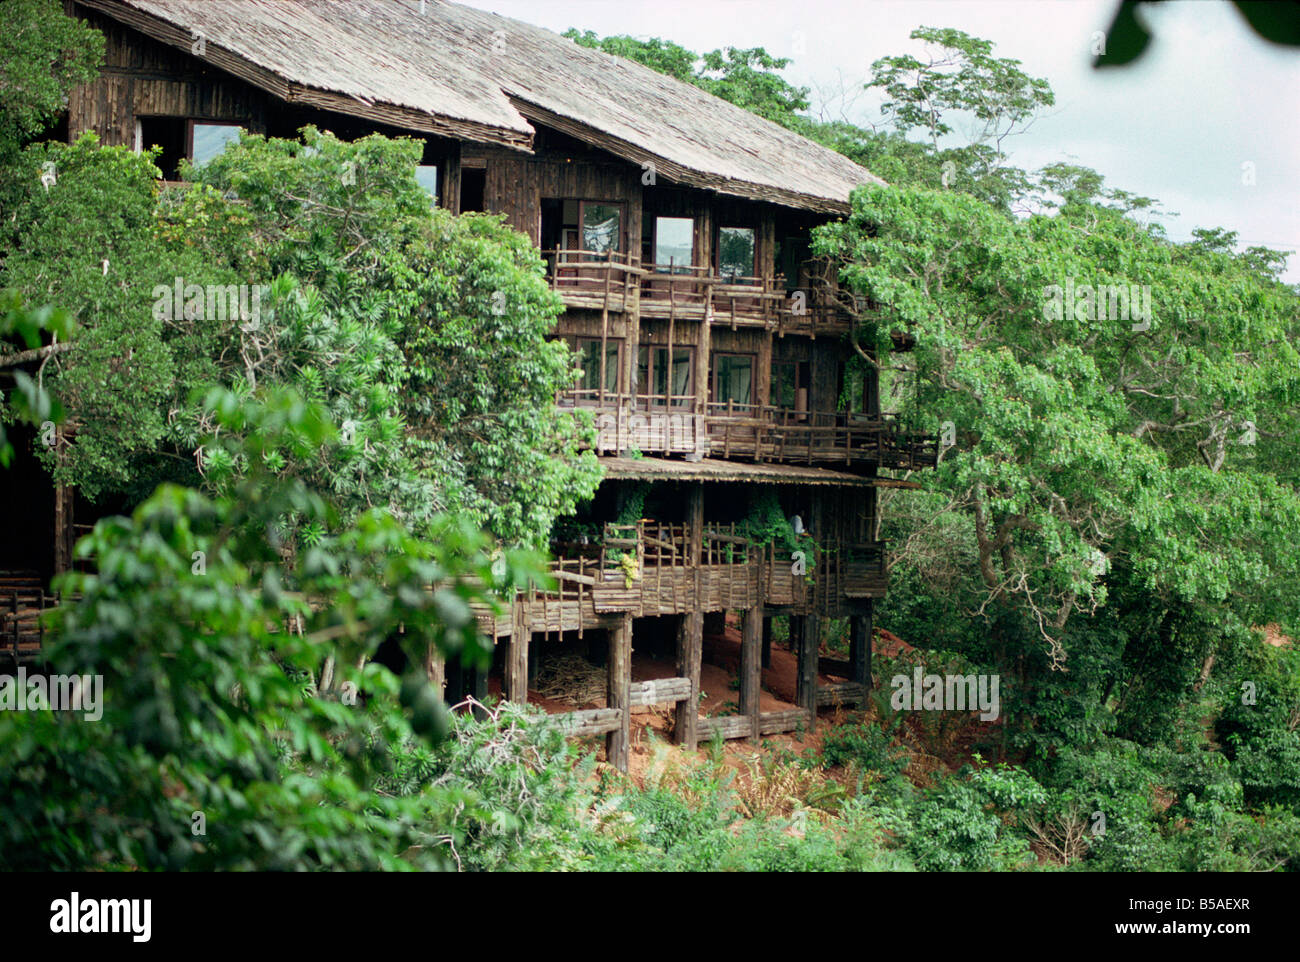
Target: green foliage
{"x": 30, "y": 403}
{"x": 44, "y": 54}
{"x": 201, "y": 620}
{"x": 423, "y": 334}
{"x": 93, "y": 254}
{"x": 748, "y": 78}
{"x": 510, "y": 789}
{"x": 868, "y": 747}
{"x": 1081, "y": 441}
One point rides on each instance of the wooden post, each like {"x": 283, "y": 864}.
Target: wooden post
{"x": 619, "y": 692}
{"x": 690, "y": 630}
{"x": 436, "y": 670}
{"x": 767, "y": 643}
{"x": 808, "y": 629}
{"x": 516, "y": 675}
{"x": 860, "y": 627}
{"x": 750, "y": 665}
{"x": 690, "y": 651}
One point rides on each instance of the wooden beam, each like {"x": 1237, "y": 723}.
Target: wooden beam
{"x": 751, "y": 664}
{"x": 767, "y": 643}
{"x": 619, "y": 694}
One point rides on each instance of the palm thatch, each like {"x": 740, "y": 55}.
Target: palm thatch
{"x": 466, "y": 73}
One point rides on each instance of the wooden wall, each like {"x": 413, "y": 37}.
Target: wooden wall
{"x": 143, "y": 78}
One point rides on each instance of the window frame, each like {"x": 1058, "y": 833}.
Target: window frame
{"x": 579, "y": 341}
{"x": 621, "y": 236}
{"x": 659, "y": 266}
{"x": 657, "y": 399}
{"x": 753, "y": 256}
{"x": 714, "y": 397}
{"x": 192, "y": 122}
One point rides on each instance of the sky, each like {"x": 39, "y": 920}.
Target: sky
{"x": 1206, "y": 122}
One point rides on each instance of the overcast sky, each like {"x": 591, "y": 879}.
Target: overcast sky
{"x": 1208, "y": 97}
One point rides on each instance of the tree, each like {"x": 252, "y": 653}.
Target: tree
{"x": 317, "y": 264}
{"x": 31, "y": 404}
{"x": 208, "y": 747}
{"x": 1088, "y": 440}
{"x": 43, "y": 55}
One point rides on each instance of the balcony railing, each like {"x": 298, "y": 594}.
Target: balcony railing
{"x": 594, "y": 281}
{"x": 675, "y": 292}
{"x": 814, "y": 437}
{"x": 651, "y": 424}
{"x": 646, "y": 565}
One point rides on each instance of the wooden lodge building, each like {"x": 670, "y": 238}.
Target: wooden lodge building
{"x": 713, "y": 348}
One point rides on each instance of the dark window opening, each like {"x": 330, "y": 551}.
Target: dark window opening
{"x": 169, "y": 133}
{"x": 473, "y": 189}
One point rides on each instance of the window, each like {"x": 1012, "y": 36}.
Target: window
{"x": 602, "y": 227}
{"x": 168, "y": 133}
{"x": 589, "y": 360}
{"x": 733, "y": 378}
{"x": 473, "y": 187}
{"x": 674, "y": 244}
{"x": 653, "y": 373}
{"x": 736, "y": 252}
{"x": 209, "y": 140}
{"x": 790, "y": 385}
{"x": 427, "y": 176}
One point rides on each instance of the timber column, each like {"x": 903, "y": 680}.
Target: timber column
{"x": 516, "y": 667}
{"x": 690, "y": 630}
{"x": 751, "y": 671}
{"x": 806, "y": 629}
{"x": 860, "y": 630}
{"x": 619, "y": 694}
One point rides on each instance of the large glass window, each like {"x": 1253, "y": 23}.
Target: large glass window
{"x": 656, "y": 377}
{"x": 427, "y": 177}
{"x": 674, "y": 243}
{"x": 589, "y": 359}
{"x": 602, "y": 227}
{"x": 736, "y": 252}
{"x": 209, "y": 140}
{"x": 733, "y": 378}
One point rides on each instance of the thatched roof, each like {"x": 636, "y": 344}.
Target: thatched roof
{"x": 475, "y": 75}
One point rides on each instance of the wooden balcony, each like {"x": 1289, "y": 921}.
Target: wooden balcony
{"x": 651, "y": 568}
{"x": 617, "y": 282}
{"x": 811, "y": 437}
{"x": 674, "y": 293}
{"x": 650, "y": 424}
{"x": 591, "y": 281}
{"x": 23, "y": 600}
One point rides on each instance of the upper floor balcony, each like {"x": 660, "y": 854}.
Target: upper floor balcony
{"x": 617, "y": 282}
{"x": 673, "y": 425}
